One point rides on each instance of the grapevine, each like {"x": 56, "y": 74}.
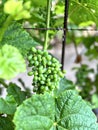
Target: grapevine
{"x": 46, "y": 70}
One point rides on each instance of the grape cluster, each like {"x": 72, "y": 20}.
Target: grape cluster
{"x": 45, "y": 69}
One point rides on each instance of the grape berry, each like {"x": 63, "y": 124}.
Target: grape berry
{"x": 45, "y": 69}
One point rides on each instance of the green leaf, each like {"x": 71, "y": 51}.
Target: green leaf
{"x": 66, "y": 85}
{"x": 44, "y": 112}
{"x": 87, "y": 8}
{"x": 35, "y": 113}
{"x": 37, "y": 3}
{"x": 73, "y": 113}
{"x": 11, "y": 62}
{"x": 63, "y": 86}
{"x": 92, "y": 53}
{"x": 15, "y": 35}
{"x": 6, "y": 124}
{"x": 8, "y": 105}
{"x": 16, "y": 92}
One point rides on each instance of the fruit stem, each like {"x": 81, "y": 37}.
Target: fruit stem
{"x": 47, "y": 24}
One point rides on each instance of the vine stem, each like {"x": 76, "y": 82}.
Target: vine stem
{"x": 3, "y": 83}
{"x": 47, "y": 24}
{"x": 5, "y": 26}
{"x": 64, "y": 33}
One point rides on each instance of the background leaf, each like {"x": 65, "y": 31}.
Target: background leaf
{"x": 83, "y": 10}
{"x": 15, "y": 35}
{"x": 39, "y": 3}
{"x": 8, "y": 105}
{"x": 63, "y": 86}
{"x": 11, "y": 62}
{"x": 6, "y": 124}
{"x": 16, "y": 92}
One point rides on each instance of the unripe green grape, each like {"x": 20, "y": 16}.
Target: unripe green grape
{"x": 49, "y": 71}
{"x": 34, "y": 49}
{"x": 35, "y": 58}
{"x": 39, "y": 52}
{"x": 31, "y": 62}
{"x": 55, "y": 76}
{"x": 49, "y": 63}
{"x": 61, "y": 74}
{"x": 52, "y": 87}
{"x": 59, "y": 65}
{"x": 39, "y": 78}
{"x": 35, "y": 78}
{"x": 48, "y": 84}
{"x": 45, "y": 53}
{"x": 48, "y": 80}
{"x": 43, "y": 78}
{"x": 57, "y": 69}
{"x": 29, "y": 57}
{"x": 43, "y": 59}
{"x": 42, "y": 82}
{"x": 41, "y": 67}
{"x": 47, "y": 89}
{"x": 40, "y": 71}
{"x": 51, "y": 77}
{"x": 36, "y": 63}
{"x": 40, "y": 75}
{"x": 42, "y": 88}
{"x": 48, "y": 57}
{"x": 39, "y": 57}
{"x": 45, "y": 75}
{"x": 30, "y": 73}
{"x": 44, "y": 62}
{"x": 64, "y": 71}
{"x": 53, "y": 69}
{"x": 55, "y": 72}
{"x": 35, "y": 73}
{"x": 53, "y": 65}
{"x": 54, "y": 60}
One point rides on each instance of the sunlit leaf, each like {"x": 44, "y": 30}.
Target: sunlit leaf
{"x": 11, "y": 62}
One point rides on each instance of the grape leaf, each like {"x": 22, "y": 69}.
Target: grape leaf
{"x": 18, "y": 95}
{"x": 6, "y": 124}
{"x": 44, "y": 112}
{"x": 15, "y": 35}
{"x": 8, "y": 105}
{"x": 83, "y": 11}
{"x": 80, "y": 11}
{"x": 11, "y": 62}
{"x": 37, "y": 3}
{"x": 66, "y": 84}
{"x": 35, "y": 113}
{"x": 63, "y": 86}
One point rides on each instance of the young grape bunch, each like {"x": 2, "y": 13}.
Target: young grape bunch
{"x": 46, "y": 70}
